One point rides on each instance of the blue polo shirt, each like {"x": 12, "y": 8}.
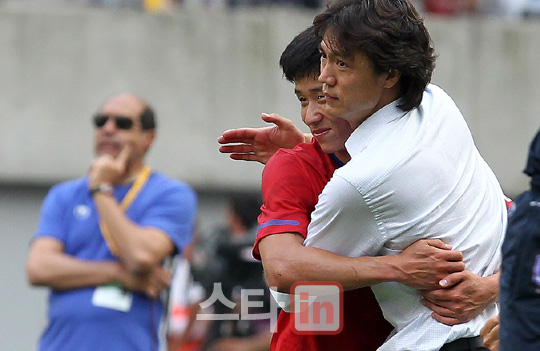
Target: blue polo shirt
{"x": 69, "y": 215}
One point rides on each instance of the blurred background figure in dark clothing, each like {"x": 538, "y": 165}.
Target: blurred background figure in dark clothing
{"x": 224, "y": 257}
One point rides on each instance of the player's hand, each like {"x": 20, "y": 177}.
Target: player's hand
{"x": 466, "y": 295}
{"x": 109, "y": 169}
{"x": 490, "y": 333}
{"x": 150, "y": 283}
{"x": 259, "y": 144}
{"x": 425, "y": 263}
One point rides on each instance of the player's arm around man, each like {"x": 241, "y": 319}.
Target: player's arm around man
{"x": 421, "y": 266}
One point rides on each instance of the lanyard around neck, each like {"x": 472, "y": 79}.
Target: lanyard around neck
{"x": 134, "y": 190}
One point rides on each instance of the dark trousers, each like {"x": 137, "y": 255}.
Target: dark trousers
{"x": 465, "y": 344}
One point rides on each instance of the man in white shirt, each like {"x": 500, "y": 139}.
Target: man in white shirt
{"x": 415, "y": 171}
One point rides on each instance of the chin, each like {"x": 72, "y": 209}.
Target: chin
{"x": 328, "y": 149}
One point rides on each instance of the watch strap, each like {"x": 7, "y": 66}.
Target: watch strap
{"x": 106, "y": 188}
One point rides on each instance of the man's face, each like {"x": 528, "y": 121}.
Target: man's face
{"x": 353, "y": 90}
{"x": 111, "y": 137}
{"x": 331, "y": 134}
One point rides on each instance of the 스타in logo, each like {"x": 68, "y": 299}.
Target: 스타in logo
{"x": 317, "y": 307}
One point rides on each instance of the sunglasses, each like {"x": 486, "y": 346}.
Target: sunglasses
{"x": 121, "y": 122}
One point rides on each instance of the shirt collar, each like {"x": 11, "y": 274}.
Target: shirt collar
{"x": 361, "y": 136}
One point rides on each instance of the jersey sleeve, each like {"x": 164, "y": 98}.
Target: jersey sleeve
{"x": 52, "y": 216}
{"x": 287, "y": 195}
{"x": 173, "y": 211}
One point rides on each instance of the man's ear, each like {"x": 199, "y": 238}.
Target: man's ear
{"x": 392, "y": 78}
{"x": 150, "y": 136}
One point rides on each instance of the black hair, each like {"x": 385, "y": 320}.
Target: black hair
{"x": 148, "y": 118}
{"x": 302, "y": 58}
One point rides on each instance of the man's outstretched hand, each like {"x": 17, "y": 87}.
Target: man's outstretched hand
{"x": 259, "y": 144}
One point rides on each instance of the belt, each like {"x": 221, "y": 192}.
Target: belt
{"x": 465, "y": 344}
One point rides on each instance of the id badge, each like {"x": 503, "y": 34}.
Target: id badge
{"x": 113, "y": 297}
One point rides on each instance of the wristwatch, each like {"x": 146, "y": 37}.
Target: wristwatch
{"x": 106, "y": 188}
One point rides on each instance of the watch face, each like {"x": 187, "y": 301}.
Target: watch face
{"x": 106, "y": 188}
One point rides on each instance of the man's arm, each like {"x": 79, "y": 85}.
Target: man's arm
{"x": 139, "y": 248}
{"x": 259, "y": 144}
{"x": 422, "y": 265}
{"x": 459, "y": 297}
{"x": 48, "y": 265}
{"x": 464, "y": 296}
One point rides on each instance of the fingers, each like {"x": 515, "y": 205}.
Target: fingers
{"x": 445, "y": 320}
{"x": 443, "y": 314}
{"x": 490, "y": 334}
{"x": 274, "y": 118}
{"x": 440, "y": 296}
{"x": 492, "y": 323}
{"x": 453, "y": 256}
{"x": 238, "y": 149}
{"x": 247, "y": 157}
{"x": 152, "y": 292}
{"x": 245, "y": 152}
{"x": 440, "y": 310}
{"x": 445, "y": 250}
{"x": 240, "y": 135}
{"x": 492, "y": 345}
{"x": 453, "y": 279}
{"x": 158, "y": 280}
{"x": 453, "y": 267}
{"x": 124, "y": 154}
{"x": 168, "y": 277}
{"x": 437, "y": 243}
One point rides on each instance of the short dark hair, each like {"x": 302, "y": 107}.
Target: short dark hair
{"x": 148, "y": 118}
{"x": 390, "y": 33}
{"x": 302, "y": 58}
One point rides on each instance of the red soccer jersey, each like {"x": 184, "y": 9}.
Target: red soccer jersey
{"x": 292, "y": 181}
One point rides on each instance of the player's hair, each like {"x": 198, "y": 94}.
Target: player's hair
{"x": 302, "y": 58}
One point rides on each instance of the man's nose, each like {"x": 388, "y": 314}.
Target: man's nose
{"x": 313, "y": 114}
{"x": 326, "y": 77}
{"x": 109, "y": 126}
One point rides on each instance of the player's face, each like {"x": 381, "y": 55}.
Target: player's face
{"x": 353, "y": 90}
{"x": 331, "y": 134}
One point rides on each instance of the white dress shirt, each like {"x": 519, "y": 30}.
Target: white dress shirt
{"x": 412, "y": 176}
